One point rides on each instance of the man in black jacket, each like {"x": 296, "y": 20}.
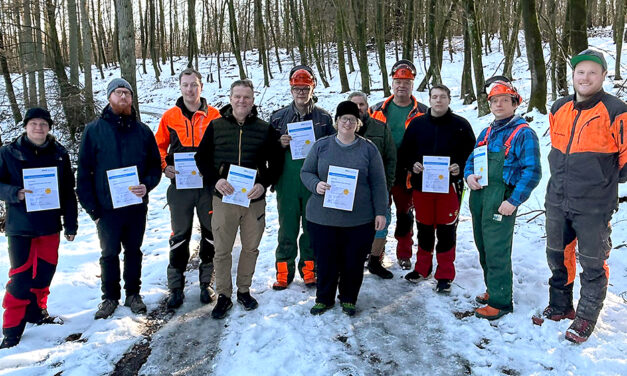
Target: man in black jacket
{"x": 33, "y": 233}
{"x": 238, "y": 138}
{"x": 113, "y": 141}
{"x": 437, "y": 133}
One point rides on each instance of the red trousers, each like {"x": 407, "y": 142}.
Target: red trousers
{"x": 33, "y": 263}
{"x": 436, "y": 214}
{"x": 404, "y": 221}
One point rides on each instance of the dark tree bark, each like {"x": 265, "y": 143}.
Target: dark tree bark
{"x": 510, "y": 32}
{"x": 8, "y": 84}
{"x": 379, "y": 33}
{"x": 618, "y": 36}
{"x": 152, "y": 36}
{"x": 359, "y": 11}
{"x": 192, "y": 42}
{"x": 126, "y": 30}
{"x": 475, "y": 41}
{"x": 235, "y": 43}
{"x": 298, "y": 32}
{"x": 467, "y": 92}
{"x": 535, "y": 57}
{"x": 30, "y": 95}
{"x": 339, "y": 39}
{"x": 578, "y": 26}
{"x": 262, "y": 43}
{"x": 73, "y": 39}
{"x": 408, "y": 32}
{"x": 87, "y": 52}
{"x": 39, "y": 52}
{"x": 312, "y": 43}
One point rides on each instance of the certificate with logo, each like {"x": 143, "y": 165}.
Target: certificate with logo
{"x": 44, "y": 185}
{"x": 120, "y": 182}
{"x": 243, "y": 180}
{"x": 187, "y": 176}
{"x": 435, "y": 177}
{"x": 343, "y": 182}
{"x": 303, "y": 138}
{"x": 481, "y": 164}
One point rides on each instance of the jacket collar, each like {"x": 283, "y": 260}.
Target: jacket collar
{"x": 112, "y": 118}
{"x": 204, "y": 107}
{"x": 227, "y": 113}
{"x": 588, "y": 103}
{"x": 308, "y": 110}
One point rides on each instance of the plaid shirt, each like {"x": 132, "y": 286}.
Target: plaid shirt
{"x": 522, "y": 168}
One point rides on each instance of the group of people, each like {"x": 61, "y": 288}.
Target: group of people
{"x": 335, "y": 180}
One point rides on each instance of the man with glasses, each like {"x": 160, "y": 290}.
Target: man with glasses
{"x": 116, "y": 140}
{"x": 397, "y": 112}
{"x": 179, "y": 134}
{"x": 291, "y": 194}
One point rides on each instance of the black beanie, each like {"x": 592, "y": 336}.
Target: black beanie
{"x": 346, "y": 108}
{"x": 38, "y": 113}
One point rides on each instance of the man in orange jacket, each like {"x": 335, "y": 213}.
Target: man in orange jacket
{"x": 588, "y": 159}
{"x": 179, "y": 134}
{"x": 397, "y": 112}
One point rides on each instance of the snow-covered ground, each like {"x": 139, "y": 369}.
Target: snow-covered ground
{"x": 400, "y": 328}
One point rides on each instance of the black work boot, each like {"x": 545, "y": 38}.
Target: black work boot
{"x": 106, "y": 309}
{"x": 9, "y": 341}
{"x": 223, "y": 305}
{"x": 206, "y": 293}
{"x": 375, "y": 267}
{"x": 247, "y": 301}
{"x": 176, "y": 298}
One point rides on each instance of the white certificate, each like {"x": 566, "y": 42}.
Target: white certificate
{"x": 435, "y": 177}
{"x": 120, "y": 182}
{"x": 44, "y": 183}
{"x": 481, "y": 164}
{"x": 242, "y": 179}
{"x": 343, "y": 182}
{"x": 187, "y": 176}
{"x": 303, "y": 138}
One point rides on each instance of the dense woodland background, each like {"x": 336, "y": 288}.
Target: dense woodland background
{"x": 334, "y": 36}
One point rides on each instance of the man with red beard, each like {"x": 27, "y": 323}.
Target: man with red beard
{"x": 117, "y": 139}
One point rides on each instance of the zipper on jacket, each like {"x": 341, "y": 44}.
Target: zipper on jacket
{"x": 239, "y": 154}
{"x": 621, "y": 132}
{"x": 570, "y": 142}
{"x": 192, "y": 126}
{"x": 186, "y": 128}
{"x": 572, "y": 133}
{"x": 585, "y": 125}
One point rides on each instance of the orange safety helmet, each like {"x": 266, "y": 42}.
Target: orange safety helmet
{"x": 302, "y": 75}
{"x": 403, "y": 69}
{"x": 500, "y": 85}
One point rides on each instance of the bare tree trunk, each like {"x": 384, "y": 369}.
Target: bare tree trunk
{"x": 143, "y": 34}
{"x": 39, "y": 52}
{"x": 192, "y": 42}
{"x": 618, "y": 36}
{"x": 73, "y": 39}
{"x": 578, "y": 30}
{"x": 29, "y": 56}
{"x": 235, "y": 43}
{"x": 339, "y": 39}
{"x": 535, "y": 56}
{"x": 408, "y": 32}
{"x": 434, "y": 59}
{"x": 6, "y": 74}
{"x": 87, "y": 51}
{"x": 475, "y": 42}
{"x": 312, "y": 44}
{"x": 126, "y": 29}
{"x": 562, "y": 82}
{"x": 511, "y": 33}
{"x": 359, "y": 11}
{"x": 162, "y": 42}
{"x": 171, "y": 42}
{"x": 379, "y": 33}
{"x": 262, "y": 42}
{"x": 298, "y": 32}
{"x": 467, "y": 92}
{"x": 154, "y": 56}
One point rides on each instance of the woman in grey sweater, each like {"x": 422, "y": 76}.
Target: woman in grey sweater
{"x": 347, "y": 206}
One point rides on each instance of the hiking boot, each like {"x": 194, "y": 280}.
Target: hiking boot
{"x": 375, "y": 267}
{"x": 176, "y": 298}
{"x": 557, "y": 314}
{"x": 482, "y": 298}
{"x": 580, "y": 330}
{"x": 348, "y": 309}
{"x": 135, "y": 303}
{"x": 222, "y": 307}
{"x": 47, "y": 319}
{"x": 9, "y": 341}
{"x": 106, "y": 309}
{"x": 247, "y": 301}
{"x": 443, "y": 286}
{"x": 279, "y": 285}
{"x": 310, "y": 282}
{"x": 415, "y": 277}
{"x": 206, "y": 293}
{"x": 405, "y": 263}
{"x": 490, "y": 313}
{"x": 319, "y": 308}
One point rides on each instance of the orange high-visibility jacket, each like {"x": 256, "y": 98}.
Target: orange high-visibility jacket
{"x": 589, "y": 153}
{"x": 379, "y": 110}
{"x": 178, "y": 134}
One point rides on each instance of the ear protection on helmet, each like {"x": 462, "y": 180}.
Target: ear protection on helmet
{"x": 499, "y": 85}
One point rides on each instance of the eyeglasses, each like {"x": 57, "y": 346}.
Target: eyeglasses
{"x": 351, "y": 120}
{"x": 301, "y": 90}
{"x": 121, "y": 92}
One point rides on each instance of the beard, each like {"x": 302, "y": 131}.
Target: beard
{"x": 121, "y": 108}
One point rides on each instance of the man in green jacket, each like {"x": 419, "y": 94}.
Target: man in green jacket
{"x": 379, "y": 133}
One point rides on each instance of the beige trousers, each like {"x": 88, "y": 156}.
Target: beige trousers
{"x": 225, "y": 222}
